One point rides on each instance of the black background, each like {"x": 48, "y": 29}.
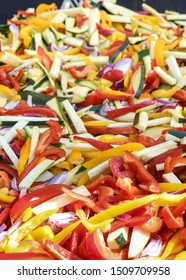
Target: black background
{"x": 8, "y": 8}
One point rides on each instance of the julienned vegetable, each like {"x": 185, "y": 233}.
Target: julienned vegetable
{"x": 92, "y": 134}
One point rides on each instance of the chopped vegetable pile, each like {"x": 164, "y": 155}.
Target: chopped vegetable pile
{"x": 93, "y": 133}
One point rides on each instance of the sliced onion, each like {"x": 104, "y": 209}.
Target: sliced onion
{"x": 104, "y": 109}
{"x": 59, "y": 220}
{"x": 14, "y": 227}
{"x": 2, "y": 227}
{"x": 165, "y": 102}
{"x": 119, "y": 84}
{"x": 105, "y": 69}
{"x": 124, "y": 64}
{"x": 3, "y": 234}
{"x": 14, "y": 184}
{"x": 58, "y": 179}
{"x": 154, "y": 247}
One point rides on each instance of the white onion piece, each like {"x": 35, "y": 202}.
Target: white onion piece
{"x": 154, "y": 247}
{"x": 58, "y": 179}
{"x": 59, "y": 220}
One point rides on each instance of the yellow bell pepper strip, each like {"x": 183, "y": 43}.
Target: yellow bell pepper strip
{"x": 170, "y": 199}
{"x": 175, "y": 244}
{"x": 162, "y": 93}
{"x": 41, "y": 24}
{"x": 107, "y": 214}
{"x": 180, "y": 256}
{"x": 105, "y": 155}
{"x": 23, "y": 230}
{"x": 42, "y": 8}
{"x": 105, "y": 20}
{"x": 6, "y": 198}
{"x": 7, "y": 92}
{"x": 72, "y": 51}
{"x": 92, "y": 226}
{"x": 158, "y": 52}
{"x": 24, "y": 155}
{"x": 26, "y": 35}
{"x": 64, "y": 232}
{"x": 42, "y": 233}
{"x": 171, "y": 187}
{"x": 27, "y": 214}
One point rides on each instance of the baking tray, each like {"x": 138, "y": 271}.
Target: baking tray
{"x": 8, "y": 10}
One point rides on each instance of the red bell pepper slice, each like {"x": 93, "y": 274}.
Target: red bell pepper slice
{"x": 145, "y": 179}
{"x": 10, "y": 170}
{"x": 4, "y": 215}
{"x": 14, "y": 82}
{"x": 24, "y": 256}
{"x": 180, "y": 95}
{"x": 148, "y": 141}
{"x": 99, "y": 130}
{"x": 110, "y": 96}
{"x": 118, "y": 169}
{"x": 103, "y": 31}
{"x": 50, "y": 136}
{"x": 179, "y": 210}
{"x": 46, "y": 60}
{"x": 50, "y": 153}
{"x": 175, "y": 161}
{"x": 152, "y": 225}
{"x": 170, "y": 220}
{"x": 58, "y": 252}
{"x": 113, "y": 48}
{"x": 122, "y": 111}
{"x": 102, "y": 146}
{"x": 79, "y": 72}
{"x": 92, "y": 99}
{"x": 28, "y": 110}
{"x": 33, "y": 199}
{"x": 106, "y": 180}
{"x": 113, "y": 75}
{"x": 152, "y": 82}
{"x": 80, "y": 20}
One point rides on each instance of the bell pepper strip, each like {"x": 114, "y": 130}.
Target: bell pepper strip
{"x": 80, "y": 20}
{"x": 99, "y": 130}
{"x": 14, "y": 82}
{"x": 29, "y": 110}
{"x": 106, "y": 93}
{"x": 8, "y": 169}
{"x": 102, "y": 146}
{"x": 24, "y": 155}
{"x": 41, "y": 8}
{"x": 50, "y": 136}
{"x": 158, "y": 52}
{"x": 122, "y": 111}
{"x": 171, "y": 187}
{"x": 179, "y": 210}
{"x": 104, "y": 31}
{"x": 180, "y": 95}
{"x": 118, "y": 50}
{"x": 145, "y": 179}
{"x": 6, "y": 180}
{"x": 58, "y": 252}
{"x": 92, "y": 98}
{"x": 25, "y": 228}
{"x": 4, "y": 215}
{"x": 180, "y": 256}
{"x": 171, "y": 221}
{"x": 53, "y": 152}
{"x": 92, "y": 226}
{"x": 94, "y": 247}
{"x": 105, "y": 155}
{"x": 79, "y": 72}
{"x": 46, "y": 60}
{"x": 175, "y": 161}
{"x": 106, "y": 180}
{"x": 173, "y": 245}
{"x": 153, "y": 225}
{"x": 113, "y": 75}
{"x": 33, "y": 199}
{"x": 7, "y": 198}
{"x": 170, "y": 199}
{"x": 25, "y": 256}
